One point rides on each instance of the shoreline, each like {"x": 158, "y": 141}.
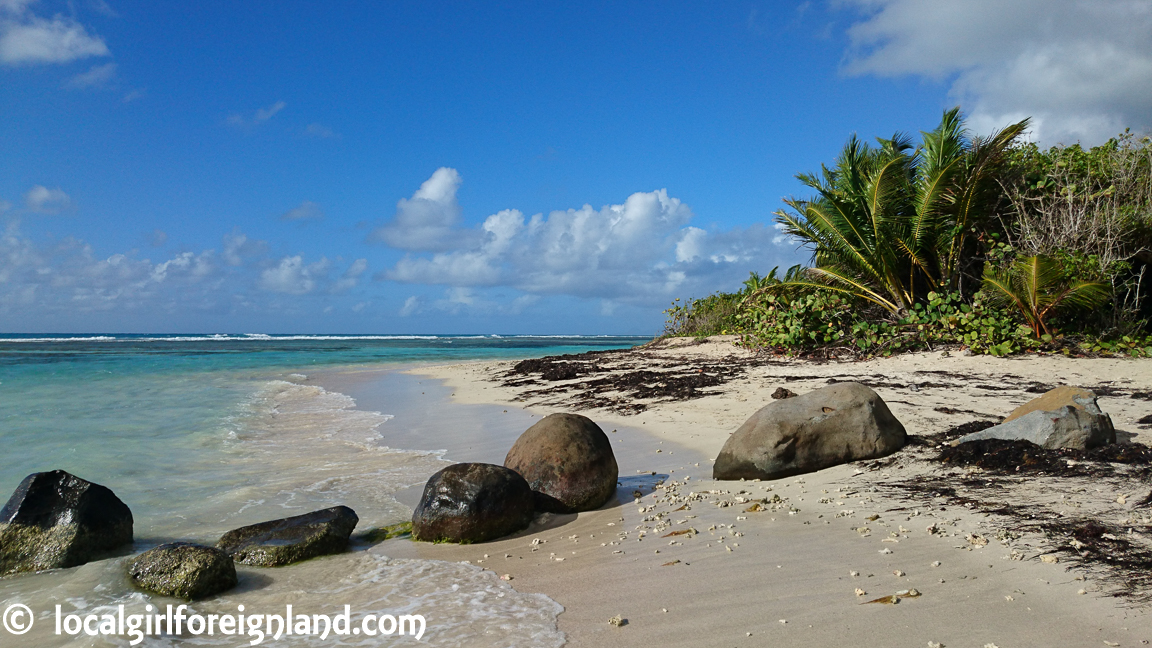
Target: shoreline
{"x": 741, "y": 573}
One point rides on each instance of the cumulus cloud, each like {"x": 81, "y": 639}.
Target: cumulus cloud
{"x": 238, "y": 248}
{"x": 66, "y": 282}
{"x": 67, "y": 276}
{"x": 27, "y": 39}
{"x": 42, "y": 200}
{"x": 158, "y": 238}
{"x": 97, "y": 76}
{"x": 1082, "y": 69}
{"x": 639, "y": 251}
{"x": 293, "y": 276}
{"x": 305, "y": 211}
{"x": 351, "y": 276}
{"x": 259, "y": 117}
{"x": 428, "y": 221}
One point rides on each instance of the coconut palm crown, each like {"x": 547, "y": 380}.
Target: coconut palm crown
{"x": 890, "y": 223}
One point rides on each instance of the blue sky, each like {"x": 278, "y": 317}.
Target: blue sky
{"x": 471, "y": 168}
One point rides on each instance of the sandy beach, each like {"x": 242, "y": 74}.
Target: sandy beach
{"x": 979, "y": 556}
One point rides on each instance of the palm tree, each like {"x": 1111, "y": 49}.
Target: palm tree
{"x": 890, "y": 224}
{"x": 1037, "y": 287}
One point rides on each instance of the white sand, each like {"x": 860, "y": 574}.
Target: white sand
{"x": 787, "y": 578}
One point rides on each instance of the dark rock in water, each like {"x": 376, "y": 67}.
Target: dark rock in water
{"x": 184, "y": 570}
{"x": 1065, "y": 417}
{"x": 55, "y": 519}
{"x": 568, "y": 461}
{"x": 472, "y": 502}
{"x": 827, "y": 427}
{"x": 282, "y": 542}
{"x": 782, "y": 393}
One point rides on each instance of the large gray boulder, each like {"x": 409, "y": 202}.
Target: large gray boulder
{"x": 568, "y": 461}
{"x": 827, "y": 427}
{"x": 1065, "y": 417}
{"x": 184, "y": 570}
{"x": 56, "y": 519}
{"x": 290, "y": 540}
{"x": 472, "y": 502}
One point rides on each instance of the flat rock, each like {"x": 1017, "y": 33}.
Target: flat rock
{"x": 1065, "y": 417}
{"x": 56, "y": 519}
{"x": 290, "y": 540}
{"x": 184, "y": 570}
{"x": 472, "y": 502}
{"x": 827, "y": 427}
{"x": 568, "y": 462}
{"x": 1054, "y": 399}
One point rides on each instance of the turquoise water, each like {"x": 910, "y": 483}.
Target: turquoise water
{"x": 200, "y": 434}
{"x": 140, "y": 407}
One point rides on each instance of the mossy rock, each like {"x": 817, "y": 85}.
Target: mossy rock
{"x": 56, "y": 519}
{"x": 289, "y": 540}
{"x": 184, "y": 570}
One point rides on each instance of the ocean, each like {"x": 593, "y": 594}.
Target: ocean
{"x": 200, "y": 434}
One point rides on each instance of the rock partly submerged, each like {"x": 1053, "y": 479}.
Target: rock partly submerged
{"x": 289, "y": 540}
{"x": 472, "y": 502}
{"x": 568, "y": 462}
{"x": 184, "y": 570}
{"x": 56, "y": 519}
{"x": 1065, "y": 417}
{"x": 827, "y": 427}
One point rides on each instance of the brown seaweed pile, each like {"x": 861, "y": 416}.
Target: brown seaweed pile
{"x": 619, "y": 380}
{"x": 985, "y": 477}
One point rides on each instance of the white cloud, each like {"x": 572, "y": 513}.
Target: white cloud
{"x": 158, "y": 238}
{"x": 97, "y": 76}
{"x": 1082, "y": 69}
{"x": 238, "y": 247}
{"x": 264, "y": 114}
{"x": 306, "y": 210}
{"x": 411, "y": 306}
{"x": 292, "y": 276}
{"x": 351, "y": 276}
{"x": 42, "y": 200}
{"x": 428, "y": 220}
{"x": 639, "y": 251}
{"x": 295, "y": 277}
{"x": 26, "y": 38}
{"x": 67, "y": 277}
{"x": 259, "y": 117}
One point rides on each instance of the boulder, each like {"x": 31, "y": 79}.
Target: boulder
{"x": 568, "y": 461}
{"x": 472, "y": 502}
{"x": 184, "y": 570}
{"x": 1065, "y": 417}
{"x": 829, "y": 426}
{"x": 55, "y": 519}
{"x": 290, "y": 540}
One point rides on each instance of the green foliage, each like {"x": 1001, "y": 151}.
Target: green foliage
{"x": 889, "y": 225}
{"x": 717, "y": 314}
{"x": 821, "y": 321}
{"x": 980, "y": 243}
{"x": 1039, "y": 288}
